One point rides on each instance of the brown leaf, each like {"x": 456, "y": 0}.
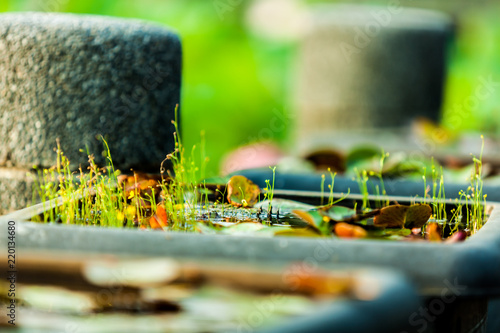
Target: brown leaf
{"x": 140, "y": 184}
{"x": 391, "y": 216}
{"x": 417, "y": 215}
{"x": 242, "y": 192}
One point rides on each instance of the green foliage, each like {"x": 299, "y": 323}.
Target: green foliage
{"x": 269, "y": 190}
{"x": 91, "y": 198}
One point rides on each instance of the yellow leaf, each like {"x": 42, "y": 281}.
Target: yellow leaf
{"x": 242, "y": 192}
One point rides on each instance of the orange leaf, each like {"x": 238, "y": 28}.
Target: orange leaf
{"x": 433, "y": 232}
{"x": 161, "y": 215}
{"x": 153, "y": 223}
{"x": 242, "y": 192}
{"x": 160, "y": 219}
{"x": 346, "y": 230}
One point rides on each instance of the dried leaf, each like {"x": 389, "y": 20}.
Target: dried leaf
{"x": 391, "y": 216}
{"x": 160, "y": 219}
{"x": 327, "y": 159}
{"x": 433, "y": 232}
{"x": 346, "y": 230}
{"x": 457, "y": 237}
{"x": 242, "y": 192}
{"x": 417, "y": 215}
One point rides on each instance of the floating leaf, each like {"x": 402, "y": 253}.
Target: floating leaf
{"x": 153, "y": 223}
{"x": 206, "y": 228}
{"x": 457, "y": 237}
{"x": 242, "y": 192}
{"x": 242, "y": 228}
{"x": 284, "y": 205}
{"x": 362, "y": 153}
{"x": 391, "y": 216}
{"x": 327, "y": 159}
{"x": 296, "y": 232}
{"x": 396, "y": 234}
{"x": 395, "y": 216}
{"x": 433, "y": 232}
{"x": 346, "y": 230}
{"x": 398, "y": 164}
{"x": 339, "y": 213}
{"x": 417, "y": 215}
{"x": 313, "y": 218}
{"x": 160, "y": 219}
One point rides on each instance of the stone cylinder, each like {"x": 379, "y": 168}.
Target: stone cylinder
{"x": 75, "y": 78}
{"x": 365, "y": 67}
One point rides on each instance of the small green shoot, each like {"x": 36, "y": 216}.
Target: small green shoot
{"x": 269, "y": 190}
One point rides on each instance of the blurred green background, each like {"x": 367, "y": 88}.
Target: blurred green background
{"x": 235, "y": 77}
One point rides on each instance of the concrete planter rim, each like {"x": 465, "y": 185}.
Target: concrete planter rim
{"x": 474, "y": 263}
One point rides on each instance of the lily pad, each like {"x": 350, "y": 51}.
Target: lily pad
{"x": 417, "y": 215}
{"x": 399, "y": 216}
{"x": 396, "y": 234}
{"x": 242, "y": 228}
{"x": 339, "y": 213}
{"x": 284, "y": 205}
{"x": 391, "y": 216}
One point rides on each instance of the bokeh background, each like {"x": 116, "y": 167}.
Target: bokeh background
{"x": 239, "y": 57}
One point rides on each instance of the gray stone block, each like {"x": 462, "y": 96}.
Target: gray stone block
{"x": 363, "y": 67}
{"x": 16, "y": 189}
{"x": 75, "y": 77}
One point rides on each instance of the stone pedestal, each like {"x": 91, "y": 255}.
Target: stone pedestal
{"x": 77, "y": 77}
{"x": 364, "y": 67}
